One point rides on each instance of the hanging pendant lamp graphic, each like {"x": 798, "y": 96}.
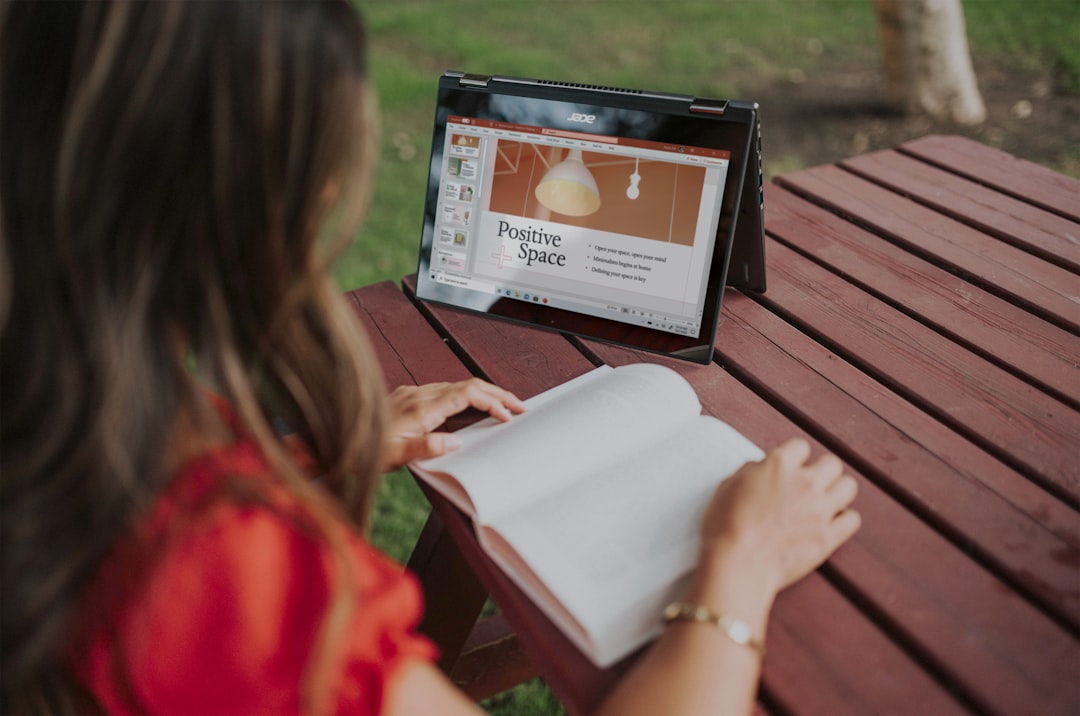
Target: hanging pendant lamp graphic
{"x": 633, "y": 191}
{"x": 569, "y": 187}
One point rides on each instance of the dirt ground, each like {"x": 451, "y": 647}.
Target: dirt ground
{"x": 810, "y": 120}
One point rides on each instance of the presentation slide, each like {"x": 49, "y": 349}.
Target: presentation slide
{"x": 604, "y": 220}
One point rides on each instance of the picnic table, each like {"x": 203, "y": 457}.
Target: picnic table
{"x": 922, "y": 321}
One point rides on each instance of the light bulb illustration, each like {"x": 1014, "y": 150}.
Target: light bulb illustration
{"x": 632, "y": 191}
{"x": 569, "y": 187}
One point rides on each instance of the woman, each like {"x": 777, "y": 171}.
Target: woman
{"x": 169, "y": 173}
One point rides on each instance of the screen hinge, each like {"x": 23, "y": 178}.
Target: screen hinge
{"x": 467, "y": 80}
{"x": 709, "y": 106}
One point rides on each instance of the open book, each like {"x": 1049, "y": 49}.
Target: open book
{"x": 592, "y": 500}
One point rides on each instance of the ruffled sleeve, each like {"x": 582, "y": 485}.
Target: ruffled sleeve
{"x": 229, "y": 614}
{"x": 382, "y": 636}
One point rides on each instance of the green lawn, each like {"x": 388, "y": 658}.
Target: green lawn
{"x": 718, "y": 47}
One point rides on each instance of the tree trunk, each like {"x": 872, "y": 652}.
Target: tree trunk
{"x": 926, "y": 60}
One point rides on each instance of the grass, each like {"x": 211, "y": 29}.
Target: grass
{"x": 717, "y": 47}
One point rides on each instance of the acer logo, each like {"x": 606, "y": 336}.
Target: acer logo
{"x": 581, "y": 118}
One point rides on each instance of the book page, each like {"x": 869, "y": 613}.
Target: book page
{"x": 566, "y": 433}
{"x": 612, "y": 548}
{"x": 511, "y": 563}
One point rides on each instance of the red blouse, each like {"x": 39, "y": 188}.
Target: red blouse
{"x": 216, "y": 604}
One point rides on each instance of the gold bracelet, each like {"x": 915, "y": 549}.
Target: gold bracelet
{"x": 736, "y": 630}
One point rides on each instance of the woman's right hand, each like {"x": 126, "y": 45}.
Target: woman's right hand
{"x": 767, "y": 525}
{"x": 779, "y": 518}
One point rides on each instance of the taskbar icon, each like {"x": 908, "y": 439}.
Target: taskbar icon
{"x": 521, "y": 295}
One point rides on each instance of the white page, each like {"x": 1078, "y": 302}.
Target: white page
{"x": 595, "y": 419}
{"x": 473, "y": 439}
{"x": 612, "y": 547}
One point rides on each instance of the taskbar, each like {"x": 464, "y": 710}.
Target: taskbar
{"x": 623, "y": 314}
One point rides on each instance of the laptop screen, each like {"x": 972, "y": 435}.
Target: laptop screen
{"x": 579, "y": 215}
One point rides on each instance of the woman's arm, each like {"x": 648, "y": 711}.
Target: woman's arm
{"x": 420, "y": 689}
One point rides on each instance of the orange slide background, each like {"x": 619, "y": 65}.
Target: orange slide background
{"x": 666, "y": 210}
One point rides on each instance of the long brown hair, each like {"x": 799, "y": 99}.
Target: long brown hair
{"x": 167, "y": 173}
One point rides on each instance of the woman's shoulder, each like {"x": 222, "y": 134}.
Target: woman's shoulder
{"x": 227, "y": 589}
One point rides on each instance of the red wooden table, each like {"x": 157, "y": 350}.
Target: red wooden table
{"x": 922, "y": 321}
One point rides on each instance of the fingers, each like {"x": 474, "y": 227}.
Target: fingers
{"x": 840, "y": 493}
{"x": 786, "y": 514}
{"x": 842, "y": 528}
{"x": 846, "y": 524}
{"x": 837, "y": 491}
{"x": 500, "y": 403}
{"x": 827, "y": 478}
{"x": 423, "y": 447}
{"x": 426, "y": 407}
{"x": 415, "y": 411}
{"x": 792, "y": 453}
{"x": 824, "y": 473}
{"x": 452, "y": 398}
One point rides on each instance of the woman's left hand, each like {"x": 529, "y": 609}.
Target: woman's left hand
{"x": 415, "y": 411}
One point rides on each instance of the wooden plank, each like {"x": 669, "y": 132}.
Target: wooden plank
{"x": 411, "y": 343}
{"x": 491, "y": 661}
{"x": 409, "y": 349}
{"x": 1041, "y": 288}
{"x": 1016, "y": 422}
{"x": 845, "y": 663}
{"x": 453, "y": 596}
{"x": 1018, "y": 177}
{"x": 1049, "y": 236}
{"x": 393, "y": 371}
{"x": 534, "y": 359}
{"x": 1027, "y": 537}
{"x": 995, "y": 651}
{"x": 998, "y": 330}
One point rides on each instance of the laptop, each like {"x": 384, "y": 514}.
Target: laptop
{"x": 612, "y": 214}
